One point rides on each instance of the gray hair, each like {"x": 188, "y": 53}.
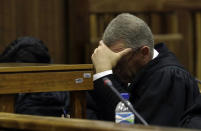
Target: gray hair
{"x": 129, "y": 29}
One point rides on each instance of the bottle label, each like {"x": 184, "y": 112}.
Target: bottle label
{"x": 124, "y": 117}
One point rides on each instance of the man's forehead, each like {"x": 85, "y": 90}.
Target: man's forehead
{"x": 117, "y": 46}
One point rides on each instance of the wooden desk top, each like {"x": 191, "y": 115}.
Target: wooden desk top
{"x": 26, "y": 77}
{"x": 27, "y": 67}
{"x": 38, "y": 123}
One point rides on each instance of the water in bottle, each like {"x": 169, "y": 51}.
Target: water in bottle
{"x": 122, "y": 113}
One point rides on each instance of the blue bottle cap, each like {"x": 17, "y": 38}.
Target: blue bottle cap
{"x": 125, "y": 96}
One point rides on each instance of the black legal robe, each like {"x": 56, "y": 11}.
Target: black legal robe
{"x": 160, "y": 92}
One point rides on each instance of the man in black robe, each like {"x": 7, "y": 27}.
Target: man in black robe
{"x": 160, "y": 88}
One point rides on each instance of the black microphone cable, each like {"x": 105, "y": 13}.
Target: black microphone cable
{"x": 109, "y": 83}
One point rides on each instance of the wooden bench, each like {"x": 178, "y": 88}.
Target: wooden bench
{"x": 29, "y": 78}
{"x": 38, "y": 123}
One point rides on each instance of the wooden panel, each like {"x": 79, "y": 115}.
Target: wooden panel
{"x": 44, "y": 19}
{"x": 108, "y": 6}
{"x": 37, "y": 123}
{"x": 145, "y": 17}
{"x": 43, "y": 82}
{"x": 18, "y": 78}
{"x": 189, "y": 22}
{"x": 193, "y": 5}
{"x": 7, "y": 22}
{"x": 93, "y": 26}
{"x": 77, "y": 105}
{"x": 44, "y": 78}
{"x": 173, "y": 39}
{"x": 168, "y": 38}
{"x": 186, "y": 29}
{"x": 156, "y": 23}
{"x": 78, "y": 24}
{"x": 28, "y": 67}
{"x": 7, "y": 103}
{"x": 198, "y": 44}
{"x": 172, "y": 23}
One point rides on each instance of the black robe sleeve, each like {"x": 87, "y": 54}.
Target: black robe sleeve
{"x": 164, "y": 96}
{"x": 192, "y": 117}
{"x": 160, "y": 98}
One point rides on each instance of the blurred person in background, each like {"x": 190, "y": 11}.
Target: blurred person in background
{"x": 32, "y": 50}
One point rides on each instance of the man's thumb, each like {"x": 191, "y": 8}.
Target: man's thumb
{"x": 125, "y": 51}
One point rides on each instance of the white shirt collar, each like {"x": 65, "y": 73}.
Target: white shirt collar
{"x": 155, "y": 54}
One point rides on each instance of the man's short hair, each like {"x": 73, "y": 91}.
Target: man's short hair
{"x": 130, "y": 30}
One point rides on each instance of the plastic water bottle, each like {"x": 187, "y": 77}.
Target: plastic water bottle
{"x": 122, "y": 113}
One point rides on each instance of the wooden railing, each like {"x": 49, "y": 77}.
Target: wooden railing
{"x": 38, "y": 123}
{"x": 28, "y": 78}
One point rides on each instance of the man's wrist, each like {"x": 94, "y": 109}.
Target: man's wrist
{"x": 102, "y": 69}
{"x": 101, "y": 74}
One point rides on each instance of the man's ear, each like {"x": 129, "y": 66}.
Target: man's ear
{"x": 145, "y": 50}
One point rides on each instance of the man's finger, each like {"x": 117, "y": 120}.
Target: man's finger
{"x": 95, "y": 51}
{"x": 102, "y": 43}
{"x": 125, "y": 51}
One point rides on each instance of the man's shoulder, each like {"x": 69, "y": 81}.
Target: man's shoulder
{"x": 172, "y": 69}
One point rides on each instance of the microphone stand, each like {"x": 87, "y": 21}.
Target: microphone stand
{"x": 109, "y": 83}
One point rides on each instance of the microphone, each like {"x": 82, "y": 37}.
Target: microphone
{"x": 109, "y": 83}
